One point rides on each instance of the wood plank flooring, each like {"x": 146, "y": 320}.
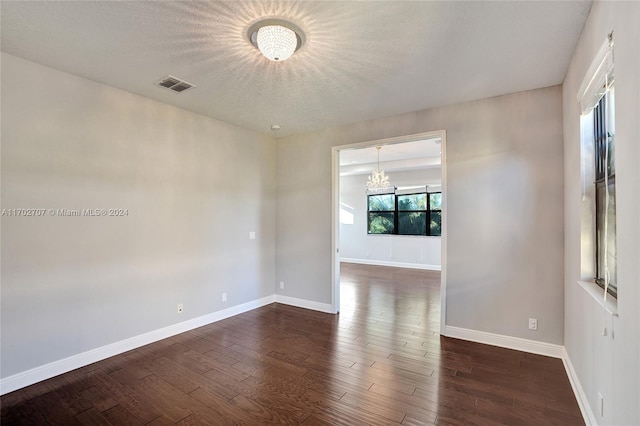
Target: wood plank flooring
{"x": 380, "y": 362}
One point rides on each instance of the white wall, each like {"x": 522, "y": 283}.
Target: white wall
{"x": 194, "y": 188}
{"x": 505, "y": 209}
{"x": 400, "y": 250}
{"x": 609, "y": 365}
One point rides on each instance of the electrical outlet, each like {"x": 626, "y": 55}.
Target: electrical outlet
{"x": 281, "y": 285}
{"x": 180, "y": 308}
{"x": 533, "y": 323}
{"x": 224, "y": 297}
{"x": 252, "y": 235}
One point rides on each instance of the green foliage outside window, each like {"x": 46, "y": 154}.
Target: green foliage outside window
{"x": 412, "y": 202}
{"x": 383, "y": 202}
{"x": 381, "y": 223}
{"x": 411, "y": 214}
{"x": 435, "y": 226}
{"x": 382, "y": 216}
{"x": 412, "y": 223}
{"x": 435, "y": 201}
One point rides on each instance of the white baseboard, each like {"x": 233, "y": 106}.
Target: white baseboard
{"x": 303, "y": 303}
{"x": 517, "y": 343}
{"x": 532, "y": 346}
{"x": 578, "y": 391}
{"x": 390, "y": 263}
{"x": 47, "y": 371}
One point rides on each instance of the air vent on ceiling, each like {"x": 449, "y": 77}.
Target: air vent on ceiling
{"x": 172, "y": 83}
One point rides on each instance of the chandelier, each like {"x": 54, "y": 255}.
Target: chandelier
{"x": 378, "y": 181}
{"x": 277, "y": 40}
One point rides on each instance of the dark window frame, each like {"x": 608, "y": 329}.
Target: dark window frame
{"x": 396, "y": 215}
{"x": 381, "y": 212}
{"x": 425, "y": 211}
{"x": 434, "y": 210}
{"x": 603, "y": 140}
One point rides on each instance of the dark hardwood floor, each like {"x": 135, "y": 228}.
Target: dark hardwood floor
{"x": 380, "y": 362}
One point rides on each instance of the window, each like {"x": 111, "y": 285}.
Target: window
{"x": 412, "y": 214}
{"x": 382, "y": 214}
{"x": 435, "y": 213}
{"x": 406, "y": 214}
{"x": 605, "y": 192}
{"x": 596, "y": 98}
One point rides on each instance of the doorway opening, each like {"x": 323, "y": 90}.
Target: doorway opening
{"x": 416, "y": 167}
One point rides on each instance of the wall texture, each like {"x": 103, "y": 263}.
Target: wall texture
{"x": 505, "y": 209}
{"x": 194, "y": 188}
{"x": 609, "y": 365}
{"x": 356, "y": 244}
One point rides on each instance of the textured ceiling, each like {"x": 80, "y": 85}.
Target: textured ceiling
{"x": 361, "y": 60}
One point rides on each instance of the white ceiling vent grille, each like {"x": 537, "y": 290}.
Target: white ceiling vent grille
{"x": 175, "y": 84}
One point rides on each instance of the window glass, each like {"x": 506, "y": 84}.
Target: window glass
{"x": 435, "y": 201}
{"x": 605, "y": 181}
{"x": 383, "y": 202}
{"x": 435, "y": 225}
{"x": 410, "y": 214}
{"x": 610, "y": 254}
{"x": 412, "y": 202}
{"x": 412, "y": 223}
{"x": 381, "y": 223}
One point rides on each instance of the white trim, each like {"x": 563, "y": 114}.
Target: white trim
{"x": 578, "y": 391}
{"x": 509, "y": 342}
{"x": 303, "y": 303}
{"x": 335, "y": 235}
{"x": 444, "y": 224}
{"x": 47, "y": 371}
{"x": 390, "y": 263}
{"x": 531, "y": 346}
{"x": 602, "y": 65}
{"x": 335, "y": 231}
{"x": 55, "y": 368}
{"x": 597, "y": 293}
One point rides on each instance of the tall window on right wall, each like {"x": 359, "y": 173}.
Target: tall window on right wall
{"x": 597, "y": 103}
{"x": 605, "y": 191}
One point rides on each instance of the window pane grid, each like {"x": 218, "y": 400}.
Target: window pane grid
{"x": 407, "y": 214}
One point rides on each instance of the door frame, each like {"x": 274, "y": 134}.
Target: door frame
{"x": 335, "y": 208}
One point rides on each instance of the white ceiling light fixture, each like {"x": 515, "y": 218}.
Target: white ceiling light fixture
{"x": 378, "y": 181}
{"x": 276, "y": 39}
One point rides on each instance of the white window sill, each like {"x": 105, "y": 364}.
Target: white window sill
{"x": 593, "y": 289}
